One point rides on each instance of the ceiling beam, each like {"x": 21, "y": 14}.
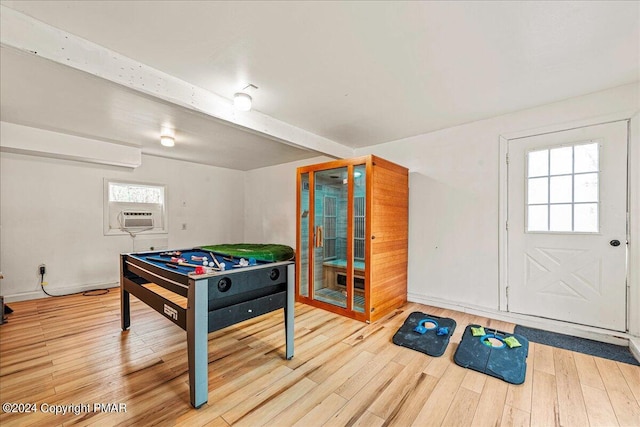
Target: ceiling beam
{"x": 39, "y": 142}
{"x": 27, "y": 34}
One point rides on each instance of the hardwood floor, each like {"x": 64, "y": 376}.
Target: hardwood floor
{"x": 71, "y": 351}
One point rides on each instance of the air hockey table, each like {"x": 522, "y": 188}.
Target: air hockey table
{"x": 228, "y": 292}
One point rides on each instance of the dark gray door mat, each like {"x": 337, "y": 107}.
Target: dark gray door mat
{"x": 619, "y": 353}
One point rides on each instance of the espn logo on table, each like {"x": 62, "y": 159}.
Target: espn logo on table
{"x": 171, "y": 312}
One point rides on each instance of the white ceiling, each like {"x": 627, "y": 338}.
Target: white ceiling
{"x": 357, "y": 73}
{"x": 41, "y": 93}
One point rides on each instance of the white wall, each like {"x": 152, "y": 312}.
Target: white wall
{"x": 270, "y": 203}
{"x": 51, "y": 212}
{"x": 454, "y": 200}
{"x": 454, "y": 197}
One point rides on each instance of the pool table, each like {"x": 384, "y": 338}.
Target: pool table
{"x": 216, "y": 298}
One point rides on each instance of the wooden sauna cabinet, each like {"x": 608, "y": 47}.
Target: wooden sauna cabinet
{"x": 352, "y": 236}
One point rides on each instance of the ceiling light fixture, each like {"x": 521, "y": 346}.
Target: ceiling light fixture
{"x": 242, "y": 100}
{"x": 167, "y": 141}
{"x": 167, "y": 135}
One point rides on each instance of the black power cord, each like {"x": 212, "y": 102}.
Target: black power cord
{"x": 90, "y": 293}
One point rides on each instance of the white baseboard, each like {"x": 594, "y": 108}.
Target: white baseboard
{"x": 582, "y": 331}
{"x": 25, "y": 296}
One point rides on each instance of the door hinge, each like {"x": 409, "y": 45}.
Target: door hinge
{"x": 506, "y": 225}
{"x": 507, "y": 158}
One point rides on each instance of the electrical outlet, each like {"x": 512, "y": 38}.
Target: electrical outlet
{"x": 42, "y": 269}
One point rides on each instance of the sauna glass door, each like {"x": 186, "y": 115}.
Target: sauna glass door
{"x": 303, "y": 283}
{"x": 330, "y": 236}
{"x": 359, "y": 237}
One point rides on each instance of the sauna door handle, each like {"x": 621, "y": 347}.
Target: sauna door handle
{"x": 319, "y": 236}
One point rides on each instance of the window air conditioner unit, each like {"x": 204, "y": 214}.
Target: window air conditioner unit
{"x": 137, "y": 219}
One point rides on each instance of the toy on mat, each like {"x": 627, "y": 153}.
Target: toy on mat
{"x": 442, "y": 331}
{"x": 422, "y": 329}
{"x": 478, "y": 331}
{"x": 512, "y": 342}
{"x": 492, "y": 340}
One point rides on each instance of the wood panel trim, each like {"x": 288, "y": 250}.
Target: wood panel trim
{"x": 333, "y": 164}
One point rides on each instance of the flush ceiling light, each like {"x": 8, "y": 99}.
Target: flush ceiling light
{"x": 242, "y": 101}
{"x": 167, "y": 141}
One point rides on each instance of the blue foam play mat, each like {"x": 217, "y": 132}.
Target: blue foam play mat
{"x": 499, "y": 354}
{"x": 425, "y": 333}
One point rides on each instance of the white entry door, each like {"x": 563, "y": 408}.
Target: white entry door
{"x": 566, "y": 236}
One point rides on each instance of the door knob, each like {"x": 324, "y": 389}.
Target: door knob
{"x": 615, "y": 242}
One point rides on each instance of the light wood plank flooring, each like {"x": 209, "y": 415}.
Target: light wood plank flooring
{"x": 70, "y": 350}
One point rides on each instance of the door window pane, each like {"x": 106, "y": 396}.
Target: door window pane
{"x": 538, "y": 190}
{"x": 586, "y": 186}
{"x": 561, "y": 160}
{"x": 538, "y": 163}
{"x": 586, "y": 158}
{"x": 560, "y": 218}
{"x": 560, "y": 188}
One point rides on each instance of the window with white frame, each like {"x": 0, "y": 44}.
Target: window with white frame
{"x": 563, "y": 189}
{"x": 131, "y": 208}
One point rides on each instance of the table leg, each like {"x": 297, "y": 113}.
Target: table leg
{"x": 125, "y": 309}
{"x": 197, "y": 352}
{"x": 290, "y": 309}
